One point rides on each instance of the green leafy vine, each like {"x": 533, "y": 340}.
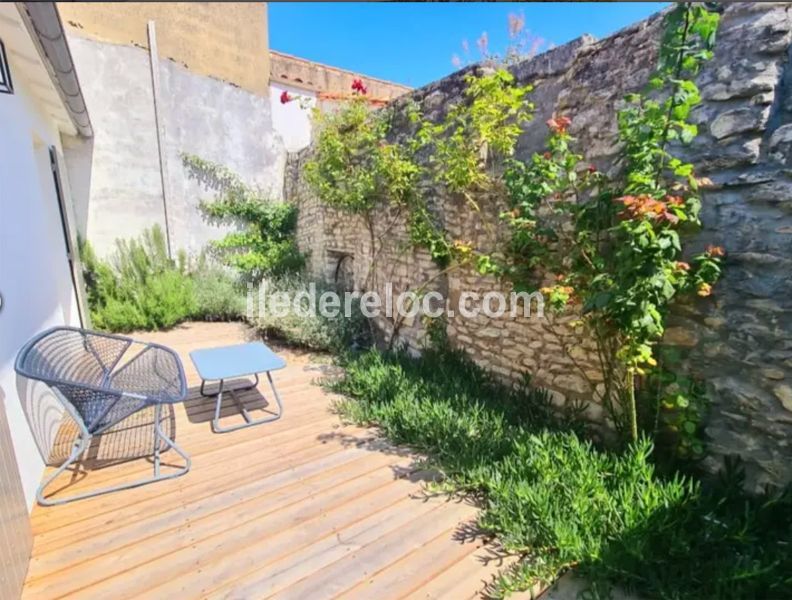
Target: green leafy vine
{"x": 359, "y": 165}
{"x": 615, "y": 245}
{"x": 265, "y": 244}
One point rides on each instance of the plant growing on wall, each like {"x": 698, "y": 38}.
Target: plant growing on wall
{"x": 476, "y": 135}
{"x": 359, "y": 163}
{"x": 616, "y": 246}
{"x": 354, "y": 167}
{"x": 613, "y": 246}
{"x": 265, "y": 245}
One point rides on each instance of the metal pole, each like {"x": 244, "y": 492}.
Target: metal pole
{"x": 155, "y": 86}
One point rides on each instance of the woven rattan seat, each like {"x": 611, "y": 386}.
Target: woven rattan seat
{"x": 102, "y": 379}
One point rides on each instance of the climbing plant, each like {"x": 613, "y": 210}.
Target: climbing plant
{"x": 359, "y": 163}
{"x": 612, "y": 245}
{"x": 615, "y": 245}
{"x": 265, "y": 243}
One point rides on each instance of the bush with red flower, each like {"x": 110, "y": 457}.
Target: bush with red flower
{"x": 619, "y": 243}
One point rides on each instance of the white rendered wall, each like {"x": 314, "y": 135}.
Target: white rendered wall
{"x": 35, "y": 281}
{"x": 292, "y": 121}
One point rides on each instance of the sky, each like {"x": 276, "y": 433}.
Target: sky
{"x": 413, "y": 43}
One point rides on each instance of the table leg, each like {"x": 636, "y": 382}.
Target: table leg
{"x": 249, "y": 421}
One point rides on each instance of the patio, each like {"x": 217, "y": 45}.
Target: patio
{"x": 300, "y": 508}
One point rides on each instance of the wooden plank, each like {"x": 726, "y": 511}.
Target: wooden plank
{"x": 301, "y": 507}
{"x": 131, "y": 572}
{"x": 352, "y": 560}
{"x": 239, "y": 465}
{"x": 400, "y": 578}
{"x": 470, "y": 577}
{"x": 214, "y": 446}
{"x": 15, "y": 537}
{"x": 298, "y": 462}
{"x": 203, "y": 451}
{"x": 265, "y": 558}
{"x": 308, "y": 479}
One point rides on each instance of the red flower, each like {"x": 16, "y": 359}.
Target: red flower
{"x": 285, "y": 97}
{"x": 592, "y": 169}
{"x": 559, "y": 124}
{"x": 715, "y": 251}
{"x": 682, "y": 266}
{"x": 357, "y": 86}
{"x": 547, "y": 156}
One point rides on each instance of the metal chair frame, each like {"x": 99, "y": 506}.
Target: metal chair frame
{"x": 106, "y": 390}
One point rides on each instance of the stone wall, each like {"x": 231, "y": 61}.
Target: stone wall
{"x": 739, "y": 340}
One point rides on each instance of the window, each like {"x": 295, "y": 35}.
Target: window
{"x": 6, "y": 86}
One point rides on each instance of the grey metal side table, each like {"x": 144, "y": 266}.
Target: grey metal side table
{"x": 231, "y": 362}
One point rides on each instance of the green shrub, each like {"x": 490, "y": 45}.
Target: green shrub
{"x": 559, "y": 501}
{"x": 218, "y": 295}
{"x": 141, "y": 288}
{"x": 312, "y": 330}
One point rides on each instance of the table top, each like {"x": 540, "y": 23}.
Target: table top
{"x": 227, "y": 362}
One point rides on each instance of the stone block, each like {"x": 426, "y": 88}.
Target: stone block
{"x": 572, "y": 383}
{"x": 784, "y": 394}
{"x": 680, "y": 336}
{"x": 739, "y": 120}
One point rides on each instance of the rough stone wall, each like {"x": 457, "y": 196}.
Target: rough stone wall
{"x": 739, "y": 340}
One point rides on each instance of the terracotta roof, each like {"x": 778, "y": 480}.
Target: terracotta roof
{"x": 330, "y": 82}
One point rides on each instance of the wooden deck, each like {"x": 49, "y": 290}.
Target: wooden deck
{"x": 300, "y": 508}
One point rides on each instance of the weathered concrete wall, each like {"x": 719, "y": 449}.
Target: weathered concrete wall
{"x": 738, "y": 341}
{"x": 123, "y": 156}
{"x": 201, "y": 115}
{"x": 224, "y": 40}
{"x": 221, "y": 123}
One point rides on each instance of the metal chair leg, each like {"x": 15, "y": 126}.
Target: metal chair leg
{"x": 82, "y": 443}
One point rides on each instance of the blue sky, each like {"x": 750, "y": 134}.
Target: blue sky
{"x": 414, "y": 43}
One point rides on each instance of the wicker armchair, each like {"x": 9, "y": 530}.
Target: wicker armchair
{"x": 99, "y": 390}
